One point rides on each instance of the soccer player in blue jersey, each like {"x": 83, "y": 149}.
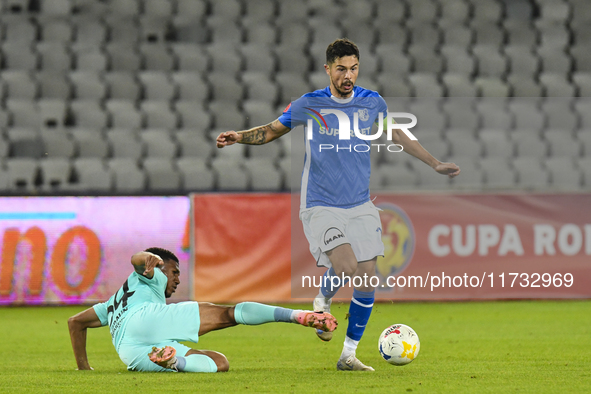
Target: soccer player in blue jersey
{"x": 340, "y": 222}
{"x": 146, "y": 331}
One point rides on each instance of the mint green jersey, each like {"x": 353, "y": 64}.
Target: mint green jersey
{"x": 136, "y": 292}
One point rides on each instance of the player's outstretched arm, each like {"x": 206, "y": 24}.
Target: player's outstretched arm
{"x": 255, "y": 136}
{"x": 145, "y": 262}
{"x": 77, "y": 325}
{"x": 415, "y": 149}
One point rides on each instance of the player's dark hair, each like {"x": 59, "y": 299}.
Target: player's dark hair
{"x": 339, "y": 48}
{"x": 163, "y": 253}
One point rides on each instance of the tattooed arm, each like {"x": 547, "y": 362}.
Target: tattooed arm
{"x": 255, "y": 136}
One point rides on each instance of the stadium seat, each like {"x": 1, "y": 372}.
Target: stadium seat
{"x": 471, "y": 178}
{"x": 497, "y": 143}
{"x": 423, "y": 11}
{"x": 556, "y": 85}
{"x": 518, "y": 10}
{"x": 159, "y": 114}
{"x": 582, "y": 81}
{"x": 23, "y": 174}
{"x": 20, "y": 85}
{"x": 263, "y": 174}
{"x": 491, "y": 63}
{"x": 190, "y": 86}
{"x": 259, "y": 113}
{"x": 488, "y": 34}
{"x": 463, "y": 143}
{"x": 57, "y": 143}
{"x": 157, "y": 86}
{"x": 158, "y": 143}
{"x": 192, "y": 143}
{"x": 158, "y": 8}
{"x": 24, "y": 113}
{"x": 88, "y": 113}
{"x": 461, "y": 114}
{"x": 197, "y": 176}
{"x": 192, "y": 115}
{"x": 560, "y": 114}
{"x": 435, "y": 144}
{"x": 454, "y": 12}
{"x": 260, "y": 11}
{"x": 524, "y": 86}
{"x": 122, "y": 85}
{"x": 54, "y": 56}
{"x": 154, "y": 30}
{"x": 521, "y": 33}
{"x": 124, "y": 114}
{"x": 91, "y": 174}
{"x": 191, "y": 8}
{"x": 258, "y": 58}
{"x": 91, "y": 143}
{"x": 494, "y": 114}
{"x": 90, "y": 31}
{"x": 157, "y": 57}
{"x": 458, "y": 61}
{"x": 425, "y": 61}
{"x": 459, "y": 85}
{"x": 125, "y": 144}
{"x": 497, "y": 173}
{"x": 555, "y": 60}
{"x": 128, "y": 176}
{"x": 261, "y": 33}
{"x": 19, "y": 30}
{"x": 530, "y": 173}
{"x": 123, "y": 57}
{"x": 225, "y": 88}
{"x": 292, "y": 86}
{"x": 390, "y": 177}
{"x": 55, "y": 173}
{"x": 53, "y": 113}
{"x": 564, "y": 175}
{"x": 227, "y": 115}
{"x": 262, "y": 90}
{"x": 57, "y": 30}
{"x": 562, "y": 143}
{"x": 90, "y": 59}
{"x": 492, "y": 87}
{"x": 19, "y": 57}
{"x": 528, "y": 144}
{"x": 290, "y": 61}
{"x": 527, "y": 114}
{"x": 490, "y": 11}
{"x": 124, "y": 7}
{"x": 430, "y": 116}
{"x": 162, "y": 175}
{"x": 522, "y": 60}
{"x": 429, "y": 179}
{"x": 425, "y": 85}
{"x": 553, "y": 35}
{"x": 25, "y": 143}
{"x": 583, "y": 110}
{"x": 191, "y": 57}
{"x": 186, "y": 32}
{"x": 230, "y": 175}
{"x": 88, "y": 85}
{"x": 54, "y": 86}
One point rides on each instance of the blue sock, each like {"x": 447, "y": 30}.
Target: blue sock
{"x": 327, "y": 289}
{"x": 359, "y": 312}
{"x": 253, "y": 313}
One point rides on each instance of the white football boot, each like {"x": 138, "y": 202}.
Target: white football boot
{"x": 352, "y": 363}
{"x": 322, "y": 304}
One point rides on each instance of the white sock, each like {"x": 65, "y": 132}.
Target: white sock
{"x": 294, "y": 315}
{"x": 349, "y": 347}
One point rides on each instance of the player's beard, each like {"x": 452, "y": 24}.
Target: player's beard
{"x": 344, "y": 92}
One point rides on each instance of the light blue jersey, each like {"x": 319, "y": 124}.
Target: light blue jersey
{"x": 336, "y": 171}
{"x": 136, "y": 292}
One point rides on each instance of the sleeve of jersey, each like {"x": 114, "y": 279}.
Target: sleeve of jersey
{"x": 158, "y": 281}
{"x": 383, "y": 108}
{"x": 285, "y": 117}
{"x": 101, "y": 312}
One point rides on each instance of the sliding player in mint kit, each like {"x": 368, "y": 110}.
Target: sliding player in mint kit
{"x": 146, "y": 331}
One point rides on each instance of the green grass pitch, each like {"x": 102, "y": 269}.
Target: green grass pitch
{"x": 519, "y": 346}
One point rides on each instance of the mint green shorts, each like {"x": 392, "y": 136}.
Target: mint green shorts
{"x": 159, "y": 325}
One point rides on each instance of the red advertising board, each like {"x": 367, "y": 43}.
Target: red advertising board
{"x": 454, "y": 247}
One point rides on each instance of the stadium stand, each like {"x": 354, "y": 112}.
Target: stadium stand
{"x": 127, "y": 96}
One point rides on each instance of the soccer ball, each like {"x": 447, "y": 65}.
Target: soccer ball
{"x": 399, "y": 344}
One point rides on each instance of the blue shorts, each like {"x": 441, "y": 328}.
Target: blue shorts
{"x": 158, "y": 325}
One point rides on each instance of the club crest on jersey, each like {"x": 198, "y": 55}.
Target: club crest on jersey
{"x": 363, "y": 114}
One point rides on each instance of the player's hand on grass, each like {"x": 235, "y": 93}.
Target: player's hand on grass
{"x": 449, "y": 169}
{"x": 152, "y": 261}
{"x": 227, "y": 138}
